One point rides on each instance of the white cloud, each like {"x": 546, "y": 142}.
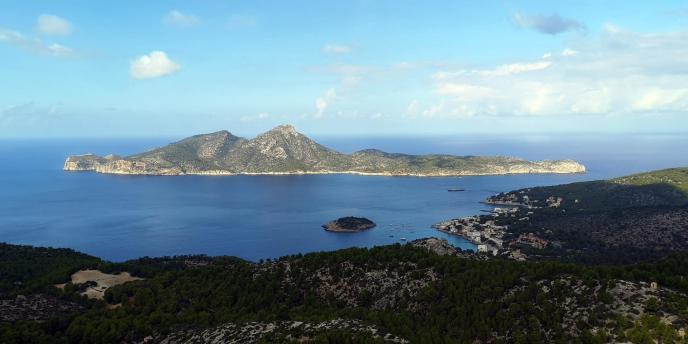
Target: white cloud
{"x": 620, "y": 72}
{"x": 569, "y": 52}
{"x": 351, "y": 80}
{"x": 658, "y": 98}
{"x": 503, "y": 70}
{"x": 33, "y": 45}
{"x": 153, "y": 65}
{"x": 433, "y": 110}
{"x": 258, "y": 117}
{"x": 176, "y": 17}
{"x": 611, "y": 28}
{"x": 516, "y": 68}
{"x": 323, "y": 102}
{"x": 464, "y": 91}
{"x": 59, "y": 50}
{"x": 336, "y": 49}
{"x": 49, "y": 24}
{"x": 413, "y": 108}
{"x": 349, "y": 75}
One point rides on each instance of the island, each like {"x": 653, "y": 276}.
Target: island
{"x": 283, "y": 150}
{"x": 349, "y": 224}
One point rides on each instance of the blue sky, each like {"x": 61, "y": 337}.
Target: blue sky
{"x": 154, "y": 68}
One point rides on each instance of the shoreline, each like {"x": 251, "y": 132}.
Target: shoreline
{"x": 460, "y": 236}
{"x": 504, "y": 204}
{"x": 220, "y": 173}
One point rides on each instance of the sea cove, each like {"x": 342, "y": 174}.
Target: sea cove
{"x": 121, "y": 217}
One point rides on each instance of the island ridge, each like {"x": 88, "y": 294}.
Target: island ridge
{"x": 283, "y": 150}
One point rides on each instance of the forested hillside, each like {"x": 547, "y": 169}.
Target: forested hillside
{"x": 391, "y": 293}
{"x": 619, "y": 221}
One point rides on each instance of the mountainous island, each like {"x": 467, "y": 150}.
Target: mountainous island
{"x": 283, "y": 150}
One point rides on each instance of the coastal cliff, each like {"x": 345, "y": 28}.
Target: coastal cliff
{"x": 283, "y": 150}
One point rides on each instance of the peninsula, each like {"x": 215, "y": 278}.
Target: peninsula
{"x": 283, "y": 150}
{"x": 617, "y": 221}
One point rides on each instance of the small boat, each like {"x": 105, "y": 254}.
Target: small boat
{"x": 402, "y": 239}
{"x": 456, "y": 190}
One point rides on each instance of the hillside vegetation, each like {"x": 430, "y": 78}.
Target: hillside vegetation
{"x": 657, "y": 188}
{"x": 385, "y": 294}
{"x": 622, "y": 220}
{"x": 676, "y": 177}
{"x": 25, "y": 269}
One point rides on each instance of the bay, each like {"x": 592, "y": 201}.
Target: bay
{"x": 255, "y": 217}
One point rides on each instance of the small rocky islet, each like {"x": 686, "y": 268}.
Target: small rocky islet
{"x": 349, "y": 224}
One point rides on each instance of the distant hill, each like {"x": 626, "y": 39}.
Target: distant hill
{"x": 626, "y": 219}
{"x": 283, "y": 150}
{"x": 676, "y": 177}
{"x": 657, "y": 188}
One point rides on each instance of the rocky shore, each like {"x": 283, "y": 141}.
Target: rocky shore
{"x": 93, "y": 163}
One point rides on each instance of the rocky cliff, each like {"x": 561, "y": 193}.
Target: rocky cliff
{"x": 283, "y": 150}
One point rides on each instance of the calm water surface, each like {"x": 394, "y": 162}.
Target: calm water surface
{"x": 253, "y": 217}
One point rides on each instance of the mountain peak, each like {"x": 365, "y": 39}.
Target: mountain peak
{"x": 217, "y": 136}
{"x": 285, "y": 129}
{"x": 221, "y": 133}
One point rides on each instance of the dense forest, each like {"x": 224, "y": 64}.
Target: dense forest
{"x": 409, "y": 292}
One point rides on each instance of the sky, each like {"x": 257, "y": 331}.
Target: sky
{"x": 373, "y": 67}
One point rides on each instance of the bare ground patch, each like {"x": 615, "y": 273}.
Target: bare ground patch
{"x": 100, "y": 280}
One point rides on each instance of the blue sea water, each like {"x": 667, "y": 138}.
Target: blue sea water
{"x": 254, "y": 217}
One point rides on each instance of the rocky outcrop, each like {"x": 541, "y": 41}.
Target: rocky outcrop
{"x": 117, "y": 166}
{"x": 262, "y": 332}
{"x": 283, "y": 150}
{"x": 438, "y": 246}
{"x": 38, "y": 307}
{"x": 442, "y": 247}
{"x": 85, "y": 162}
{"x": 349, "y": 224}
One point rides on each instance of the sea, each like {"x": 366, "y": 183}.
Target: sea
{"x": 258, "y": 217}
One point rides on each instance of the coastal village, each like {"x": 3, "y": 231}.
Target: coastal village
{"x": 492, "y": 236}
